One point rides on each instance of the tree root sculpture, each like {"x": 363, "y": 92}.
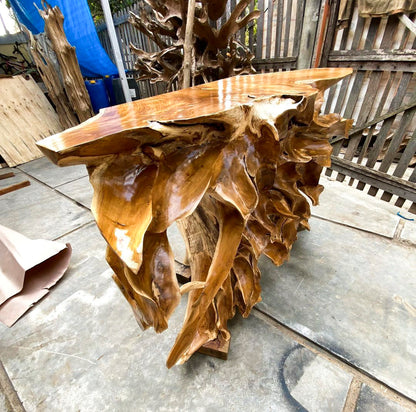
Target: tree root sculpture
{"x": 217, "y": 53}
{"x": 232, "y": 162}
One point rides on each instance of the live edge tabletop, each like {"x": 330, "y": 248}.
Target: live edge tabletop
{"x": 231, "y": 162}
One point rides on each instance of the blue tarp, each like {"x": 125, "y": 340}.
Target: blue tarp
{"x": 79, "y": 29}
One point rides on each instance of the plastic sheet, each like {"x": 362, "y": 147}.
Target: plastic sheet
{"x": 79, "y": 29}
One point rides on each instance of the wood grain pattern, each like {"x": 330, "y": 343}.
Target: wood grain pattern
{"x": 26, "y": 116}
{"x": 231, "y": 162}
{"x": 14, "y": 187}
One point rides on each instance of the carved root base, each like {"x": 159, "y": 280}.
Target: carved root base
{"x": 231, "y": 162}
{"x": 217, "y": 348}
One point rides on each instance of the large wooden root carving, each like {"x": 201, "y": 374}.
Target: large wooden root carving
{"x": 231, "y": 162}
{"x": 216, "y": 52}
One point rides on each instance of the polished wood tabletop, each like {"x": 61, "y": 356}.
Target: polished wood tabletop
{"x": 189, "y": 105}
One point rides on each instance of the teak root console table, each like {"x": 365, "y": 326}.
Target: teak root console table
{"x": 230, "y": 161}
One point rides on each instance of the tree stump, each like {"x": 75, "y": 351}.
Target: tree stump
{"x": 232, "y": 162}
{"x": 71, "y": 74}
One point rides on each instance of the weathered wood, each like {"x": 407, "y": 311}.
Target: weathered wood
{"x": 26, "y": 116}
{"x": 399, "y": 187}
{"x": 275, "y": 64}
{"x": 300, "y": 6}
{"x": 329, "y": 34}
{"x": 336, "y": 146}
{"x": 379, "y": 55}
{"x": 371, "y": 34}
{"x": 374, "y": 47}
{"x": 370, "y": 97}
{"x": 366, "y": 144}
{"x": 53, "y": 83}
{"x": 232, "y": 162}
{"x": 260, "y": 29}
{"x": 68, "y": 62}
{"x": 288, "y": 23}
{"x": 400, "y": 66}
{"x": 349, "y": 109}
{"x": 401, "y": 91}
{"x": 269, "y": 11}
{"x": 397, "y": 139}
{"x": 406, "y": 157}
{"x": 394, "y": 144}
{"x": 376, "y": 120}
{"x": 358, "y": 32}
{"x": 366, "y": 106}
{"x": 408, "y": 23}
{"x": 14, "y": 187}
{"x": 279, "y": 27}
{"x": 251, "y": 31}
{"x": 6, "y": 175}
{"x": 187, "y": 47}
{"x": 309, "y": 29}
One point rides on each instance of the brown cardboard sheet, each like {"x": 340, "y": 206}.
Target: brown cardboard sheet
{"x": 28, "y": 268}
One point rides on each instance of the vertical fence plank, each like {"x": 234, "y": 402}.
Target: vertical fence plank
{"x": 394, "y": 146}
{"x": 288, "y": 20}
{"x": 330, "y": 34}
{"x": 260, "y": 28}
{"x": 352, "y": 101}
{"x": 391, "y": 27}
{"x": 400, "y": 201}
{"x": 279, "y": 28}
{"x": 336, "y": 148}
{"x": 397, "y": 139}
{"x": 269, "y": 28}
{"x": 328, "y": 101}
{"x": 300, "y": 7}
{"x": 371, "y": 34}
{"x": 358, "y": 33}
{"x": 406, "y": 157}
{"x": 251, "y": 31}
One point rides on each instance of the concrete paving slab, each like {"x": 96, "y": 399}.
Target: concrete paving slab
{"x": 81, "y": 349}
{"x": 80, "y": 190}
{"x": 371, "y": 401}
{"x": 4, "y": 405}
{"x": 47, "y": 172}
{"x": 349, "y": 206}
{"x": 409, "y": 232}
{"x": 353, "y": 293}
{"x": 303, "y": 370}
{"x": 39, "y": 212}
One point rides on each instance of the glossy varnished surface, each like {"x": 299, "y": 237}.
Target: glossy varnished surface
{"x": 232, "y": 162}
{"x": 192, "y": 103}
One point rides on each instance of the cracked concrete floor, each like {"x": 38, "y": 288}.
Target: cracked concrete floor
{"x": 335, "y": 330}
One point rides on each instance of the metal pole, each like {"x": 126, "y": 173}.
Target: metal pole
{"x": 116, "y": 48}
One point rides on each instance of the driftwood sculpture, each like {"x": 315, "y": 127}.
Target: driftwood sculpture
{"x": 231, "y": 162}
{"x": 71, "y": 74}
{"x": 216, "y": 52}
{"x": 53, "y": 83}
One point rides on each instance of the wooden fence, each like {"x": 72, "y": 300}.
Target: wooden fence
{"x": 126, "y": 35}
{"x": 275, "y": 38}
{"x": 381, "y": 98}
{"x": 380, "y": 95}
